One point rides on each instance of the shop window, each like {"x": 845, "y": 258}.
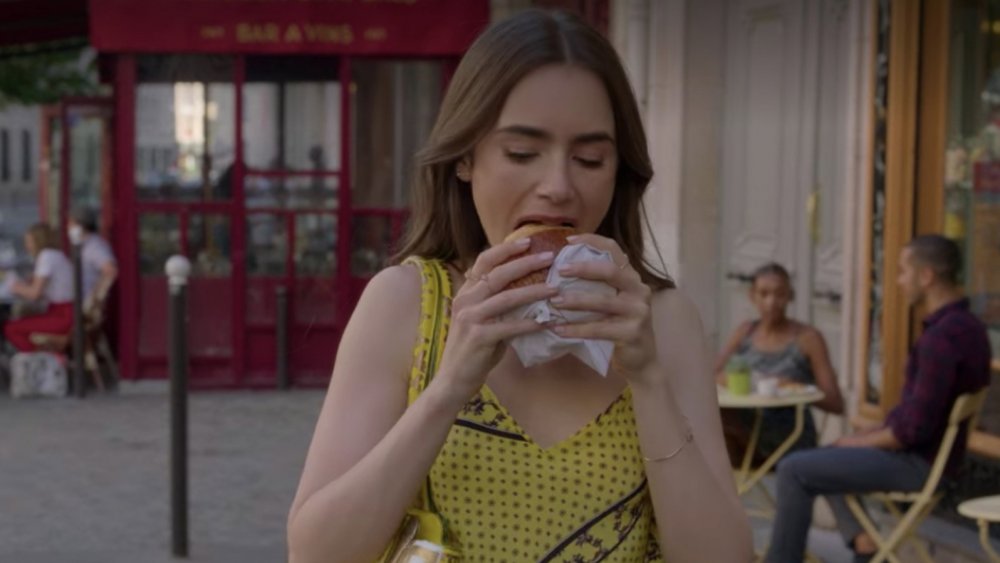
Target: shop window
{"x": 972, "y": 167}
{"x": 88, "y": 139}
{"x": 159, "y": 239}
{"x": 291, "y": 192}
{"x": 873, "y": 361}
{"x": 291, "y": 114}
{"x": 267, "y": 245}
{"x": 209, "y": 245}
{"x": 185, "y": 127}
{"x": 394, "y": 105}
{"x": 315, "y": 245}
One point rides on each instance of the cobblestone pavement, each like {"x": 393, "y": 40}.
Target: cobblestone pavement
{"x": 87, "y": 481}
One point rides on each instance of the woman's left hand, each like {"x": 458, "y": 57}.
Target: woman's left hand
{"x": 626, "y": 317}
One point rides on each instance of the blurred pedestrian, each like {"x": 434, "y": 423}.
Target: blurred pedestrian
{"x": 49, "y": 291}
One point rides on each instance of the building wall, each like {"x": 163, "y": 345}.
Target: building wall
{"x": 674, "y": 51}
{"x": 702, "y": 158}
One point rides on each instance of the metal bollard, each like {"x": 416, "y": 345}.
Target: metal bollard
{"x": 281, "y": 336}
{"x": 178, "y": 268}
{"x": 79, "y": 375}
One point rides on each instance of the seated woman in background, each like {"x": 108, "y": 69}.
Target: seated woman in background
{"x": 51, "y": 284}
{"x": 775, "y": 345}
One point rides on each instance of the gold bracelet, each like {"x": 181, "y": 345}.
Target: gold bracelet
{"x": 688, "y": 438}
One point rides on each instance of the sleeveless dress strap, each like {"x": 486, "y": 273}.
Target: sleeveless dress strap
{"x": 435, "y": 317}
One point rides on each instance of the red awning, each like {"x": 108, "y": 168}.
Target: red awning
{"x": 387, "y": 27}
{"x": 28, "y": 23}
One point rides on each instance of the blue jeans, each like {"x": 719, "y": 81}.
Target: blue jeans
{"x": 833, "y": 472}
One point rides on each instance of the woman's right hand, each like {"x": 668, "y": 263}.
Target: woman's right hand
{"x": 477, "y": 333}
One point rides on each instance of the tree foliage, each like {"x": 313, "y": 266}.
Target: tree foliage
{"x": 44, "y": 78}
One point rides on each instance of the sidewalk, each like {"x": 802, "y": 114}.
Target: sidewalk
{"x": 949, "y": 543}
{"x": 88, "y": 481}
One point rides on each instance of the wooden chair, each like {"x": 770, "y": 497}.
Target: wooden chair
{"x": 97, "y": 350}
{"x": 965, "y": 410}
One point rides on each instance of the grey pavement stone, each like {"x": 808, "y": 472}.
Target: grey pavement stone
{"x": 89, "y": 481}
{"x": 949, "y": 543}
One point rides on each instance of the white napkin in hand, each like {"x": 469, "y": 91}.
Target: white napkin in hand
{"x": 545, "y": 345}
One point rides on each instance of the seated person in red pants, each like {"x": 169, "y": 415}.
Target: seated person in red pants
{"x": 52, "y": 283}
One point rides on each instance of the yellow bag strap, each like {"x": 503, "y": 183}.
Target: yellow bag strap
{"x": 435, "y": 317}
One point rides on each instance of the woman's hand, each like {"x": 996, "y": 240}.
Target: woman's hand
{"x": 627, "y": 315}
{"x": 477, "y": 333}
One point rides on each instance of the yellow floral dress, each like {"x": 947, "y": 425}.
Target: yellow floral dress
{"x": 504, "y": 498}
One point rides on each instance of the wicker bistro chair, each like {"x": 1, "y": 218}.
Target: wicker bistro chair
{"x": 965, "y": 410}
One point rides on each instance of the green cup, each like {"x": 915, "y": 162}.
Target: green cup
{"x": 738, "y": 382}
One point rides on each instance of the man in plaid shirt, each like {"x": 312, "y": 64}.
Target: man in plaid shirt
{"x": 950, "y": 358}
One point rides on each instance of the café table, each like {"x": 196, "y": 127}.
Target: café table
{"x": 983, "y": 510}
{"x": 746, "y": 477}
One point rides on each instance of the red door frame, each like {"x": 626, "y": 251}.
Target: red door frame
{"x": 61, "y": 112}
{"x": 127, "y": 211}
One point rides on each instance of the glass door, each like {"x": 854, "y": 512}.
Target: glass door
{"x": 185, "y": 146}
{"x": 77, "y": 148}
{"x": 293, "y": 141}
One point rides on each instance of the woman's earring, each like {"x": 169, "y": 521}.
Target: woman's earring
{"x": 462, "y": 172}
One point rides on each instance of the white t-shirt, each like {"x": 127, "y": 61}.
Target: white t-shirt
{"x": 94, "y": 255}
{"x": 54, "y": 266}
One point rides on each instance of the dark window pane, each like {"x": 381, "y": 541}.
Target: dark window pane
{"x": 88, "y": 134}
{"x": 208, "y": 245}
{"x": 873, "y": 384}
{"x": 185, "y": 128}
{"x": 315, "y": 245}
{"x": 291, "y": 114}
{"x": 159, "y": 239}
{"x": 267, "y": 244}
{"x": 291, "y": 192}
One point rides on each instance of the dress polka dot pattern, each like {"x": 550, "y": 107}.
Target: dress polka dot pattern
{"x": 504, "y": 498}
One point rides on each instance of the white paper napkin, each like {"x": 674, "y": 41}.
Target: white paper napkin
{"x": 545, "y": 345}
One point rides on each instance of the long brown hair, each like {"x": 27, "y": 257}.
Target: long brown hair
{"x": 43, "y": 236}
{"x": 444, "y": 223}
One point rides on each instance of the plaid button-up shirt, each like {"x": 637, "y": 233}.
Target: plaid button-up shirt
{"x": 950, "y": 358}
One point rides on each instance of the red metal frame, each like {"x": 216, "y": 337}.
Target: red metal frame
{"x": 250, "y": 330}
{"x": 127, "y": 242}
{"x": 344, "y": 190}
{"x": 238, "y": 228}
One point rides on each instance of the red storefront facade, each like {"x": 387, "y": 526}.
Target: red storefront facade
{"x": 269, "y": 141}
